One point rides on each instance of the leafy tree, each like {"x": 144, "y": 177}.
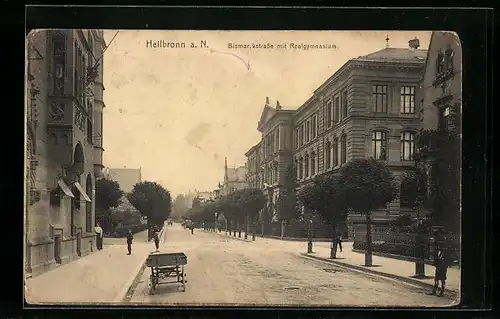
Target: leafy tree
{"x": 439, "y": 152}
{"x": 107, "y": 195}
{"x": 250, "y": 201}
{"x": 153, "y": 201}
{"x": 326, "y": 195}
{"x": 196, "y": 202}
{"x": 414, "y": 189}
{"x": 368, "y": 185}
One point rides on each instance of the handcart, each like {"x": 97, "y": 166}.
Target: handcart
{"x": 164, "y": 266}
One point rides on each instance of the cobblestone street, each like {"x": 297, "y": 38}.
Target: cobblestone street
{"x": 227, "y": 271}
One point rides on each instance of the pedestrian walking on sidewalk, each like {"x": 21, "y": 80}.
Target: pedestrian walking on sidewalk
{"x": 440, "y": 262}
{"x": 156, "y": 237}
{"x": 99, "y": 236}
{"x": 130, "y": 238}
{"x": 339, "y": 241}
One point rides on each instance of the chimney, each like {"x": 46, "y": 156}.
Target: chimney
{"x": 278, "y": 106}
{"x": 414, "y": 44}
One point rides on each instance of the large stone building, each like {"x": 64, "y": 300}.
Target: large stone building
{"x": 365, "y": 109}
{"x": 126, "y": 177}
{"x": 441, "y": 110}
{"x": 64, "y": 144}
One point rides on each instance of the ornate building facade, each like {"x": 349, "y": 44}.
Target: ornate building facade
{"x": 441, "y": 111}
{"x": 365, "y": 109}
{"x": 64, "y": 144}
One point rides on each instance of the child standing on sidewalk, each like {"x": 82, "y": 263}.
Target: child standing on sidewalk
{"x": 156, "y": 237}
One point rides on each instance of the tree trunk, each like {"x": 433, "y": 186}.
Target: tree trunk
{"x": 262, "y": 228}
{"x": 239, "y": 229}
{"x": 282, "y": 232}
{"x": 254, "y": 226}
{"x": 246, "y": 228}
{"x": 368, "y": 252}
{"x": 333, "y": 249}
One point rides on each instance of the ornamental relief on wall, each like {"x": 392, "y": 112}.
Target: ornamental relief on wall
{"x": 57, "y": 110}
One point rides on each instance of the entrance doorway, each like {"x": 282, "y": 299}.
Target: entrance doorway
{"x": 57, "y": 248}
{"x": 79, "y": 244}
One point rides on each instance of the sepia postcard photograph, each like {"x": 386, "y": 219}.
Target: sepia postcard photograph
{"x": 243, "y": 168}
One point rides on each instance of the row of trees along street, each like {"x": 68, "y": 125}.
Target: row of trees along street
{"x": 361, "y": 185}
{"x": 151, "y": 199}
{"x": 240, "y": 208}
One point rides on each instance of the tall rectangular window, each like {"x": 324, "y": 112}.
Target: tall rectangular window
{"x": 306, "y": 165}
{"x": 59, "y": 52}
{"x": 329, "y": 114}
{"x": 407, "y": 146}
{"x": 344, "y": 104}
{"x": 296, "y": 138}
{"x": 315, "y": 126}
{"x": 336, "y": 110}
{"x": 379, "y": 145}
{"x": 278, "y": 138}
{"x": 407, "y": 99}
{"x": 308, "y": 131}
{"x": 302, "y": 132}
{"x": 328, "y": 153}
{"x": 380, "y": 98}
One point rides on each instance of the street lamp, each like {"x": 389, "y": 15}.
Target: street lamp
{"x": 309, "y": 239}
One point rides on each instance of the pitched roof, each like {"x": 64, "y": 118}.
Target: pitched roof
{"x": 395, "y": 55}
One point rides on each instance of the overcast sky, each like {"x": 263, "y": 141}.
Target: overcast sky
{"x": 177, "y": 112}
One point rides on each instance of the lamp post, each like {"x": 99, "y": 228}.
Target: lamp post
{"x": 309, "y": 239}
{"x": 420, "y": 262}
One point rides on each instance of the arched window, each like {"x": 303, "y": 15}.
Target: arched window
{"x": 379, "y": 144}
{"x": 313, "y": 163}
{"x": 440, "y": 62}
{"x": 276, "y": 172}
{"x": 343, "y": 149}
{"x": 59, "y": 62}
{"x": 306, "y": 166}
{"x": 328, "y": 154}
{"x": 301, "y": 168}
{"x": 335, "y": 152}
{"x": 407, "y": 146}
{"x": 449, "y": 59}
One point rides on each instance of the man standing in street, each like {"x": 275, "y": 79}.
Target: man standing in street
{"x": 130, "y": 238}
{"x": 339, "y": 241}
{"x": 99, "y": 236}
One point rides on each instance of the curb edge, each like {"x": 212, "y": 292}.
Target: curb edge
{"x": 379, "y": 273}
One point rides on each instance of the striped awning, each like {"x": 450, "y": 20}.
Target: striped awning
{"x": 82, "y": 191}
{"x": 65, "y": 189}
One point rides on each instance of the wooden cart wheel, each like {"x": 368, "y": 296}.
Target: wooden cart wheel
{"x": 183, "y": 279}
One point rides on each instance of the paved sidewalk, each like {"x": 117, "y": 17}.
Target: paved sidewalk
{"x": 103, "y": 277}
{"x": 384, "y": 266}
{"x": 390, "y": 267}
